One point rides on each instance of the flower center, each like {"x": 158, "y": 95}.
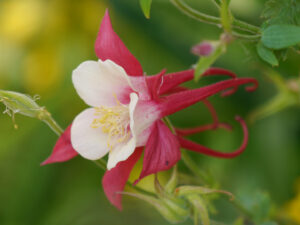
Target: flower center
{"x": 114, "y": 121}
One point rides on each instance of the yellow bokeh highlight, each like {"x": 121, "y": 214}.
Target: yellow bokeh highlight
{"x": 92, "y": 12}
{"x": 20, "y": 19}
{"x": 293, "y": 207}
{"x": 42, "y": 70}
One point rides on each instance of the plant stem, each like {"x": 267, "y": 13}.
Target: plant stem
{"x": 53, "y": 125}
{"x": 100, "y": 163}
{"x": 215, "y": 2}
{"x": 255, "y": 37}
{"x": 212, "y": 19}
{"x": 185, "y": 156}
{"x": 192, "y": 166}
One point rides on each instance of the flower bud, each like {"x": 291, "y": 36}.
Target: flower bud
{"x": 23, "y": 104}
{"x": 205, "y": 48}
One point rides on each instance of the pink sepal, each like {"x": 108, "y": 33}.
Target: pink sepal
{"x": 114, "y": 180}
{"x": 63, "y": 150}
{"x": 178, "y": 101}
{"x": 190, "y": 145}
{"x": 162, "y": 150}
{"x": 109, "y": 46}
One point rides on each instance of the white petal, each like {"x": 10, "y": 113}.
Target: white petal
{"x": 133, "y": 103}
{"x": 142, "y": 116}
{"x": 120, "y": 153}
{"x": 90, "y": 143}
{"x": 99, "y": 83}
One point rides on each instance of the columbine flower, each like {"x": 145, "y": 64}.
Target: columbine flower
{"x": 126, "y": 108}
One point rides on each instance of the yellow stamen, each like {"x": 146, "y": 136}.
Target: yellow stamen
{"x": 113, "y": 121}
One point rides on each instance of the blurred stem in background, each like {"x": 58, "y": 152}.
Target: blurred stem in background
{"x": 288, "y": 95}
{"x": 237, "y": 24}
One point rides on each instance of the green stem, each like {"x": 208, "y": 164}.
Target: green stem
{"x": 185, "y": 156}
{"x": 169, "y": 124}
{"x": 216, "y": 3}
{"x": 101, "y": 164}
{"x": 192, "y": 166}
{"x": 255, "y": 37}
{"x": 53, "y": 125}
{"x": 212, "y": 19}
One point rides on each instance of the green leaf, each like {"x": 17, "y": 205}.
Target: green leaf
{"x": 146, "y": 6}
{"x": 282, "y": 12}
{"x": 258, "y": 205}
{"x": 266, "y": 54}
{"x": 281, "y": 36}
{"x": 206, "y": 61}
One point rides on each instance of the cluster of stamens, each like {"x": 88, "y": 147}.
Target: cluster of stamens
{"x": 113, "y": 121}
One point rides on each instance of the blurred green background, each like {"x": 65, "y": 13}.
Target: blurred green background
{"x": 42, "y": 41}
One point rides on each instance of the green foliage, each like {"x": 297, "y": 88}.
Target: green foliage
{"x": 281, "y": 36}
{"x": 258, "y": 204}
{"x": 266, "y": 54}
{"x": 269, "y": 223}
{"x": 146, "y": 7}
{"x": 282, "y": 12}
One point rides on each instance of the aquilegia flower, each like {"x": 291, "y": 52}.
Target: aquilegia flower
{"x": 125, "y": 112}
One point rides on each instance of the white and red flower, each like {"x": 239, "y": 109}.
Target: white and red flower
{"x": 125, "y": 112}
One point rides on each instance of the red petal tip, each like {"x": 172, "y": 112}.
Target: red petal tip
{"x": 63, "y": 150}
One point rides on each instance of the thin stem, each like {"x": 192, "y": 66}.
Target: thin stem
{"x": 53, "y": 125}
{"x": 212, "y": 19}
{"x": 169, "y": 124}
{"x": 192, "y": 166}
{"x": 215, "y": 2}
{"x": 101, "y": 164}
{"x": 255, "y": 37}
{"x": 195, "y": 14}
{"x": 185, "y": 156}
{"x": 246, "y": 26}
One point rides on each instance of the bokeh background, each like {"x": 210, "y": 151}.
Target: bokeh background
{"x": 42, "y": 41}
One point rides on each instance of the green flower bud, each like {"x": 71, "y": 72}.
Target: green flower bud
{"x": 25, "y": 105}
{"x": 21, "y": 103}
